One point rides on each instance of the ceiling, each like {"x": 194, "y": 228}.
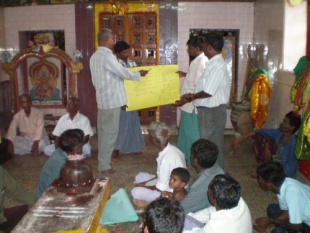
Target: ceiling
{"x": 9, "y": 3}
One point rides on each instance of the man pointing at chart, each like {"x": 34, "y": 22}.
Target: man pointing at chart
{"x": 108, "y": 79}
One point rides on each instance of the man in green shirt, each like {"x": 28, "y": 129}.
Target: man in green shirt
{"x": 9, "y": 217}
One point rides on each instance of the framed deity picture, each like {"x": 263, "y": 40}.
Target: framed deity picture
{"x": 44, "y": 81}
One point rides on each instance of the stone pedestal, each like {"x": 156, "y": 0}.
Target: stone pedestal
{"x": 240, "y": 118}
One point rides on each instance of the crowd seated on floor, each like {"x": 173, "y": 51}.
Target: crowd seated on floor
{"x": 223, "y": 205}
{"x": 210, "y": 204}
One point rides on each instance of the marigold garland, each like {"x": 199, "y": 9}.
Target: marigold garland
{"x": 259, "y": 96}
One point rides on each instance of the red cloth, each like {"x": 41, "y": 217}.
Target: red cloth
{"x": 260, "y": 142}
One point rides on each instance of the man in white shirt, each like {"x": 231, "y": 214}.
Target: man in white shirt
{"x": 212, "y": 94}
{"x": 108, "y": 79}
{"x": 188, "y": 128}
{"x": 72, "y": 120}
{"x": 32, "y": 137}
{"x": 229, "y": 212}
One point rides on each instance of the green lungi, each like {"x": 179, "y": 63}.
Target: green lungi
{"x": 188, "y": 133}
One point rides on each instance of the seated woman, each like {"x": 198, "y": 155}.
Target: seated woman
{"x": 71, "y": 143}
{"x": 277, "y": 144}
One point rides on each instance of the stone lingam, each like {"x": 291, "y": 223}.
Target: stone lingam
{"x": 75, "y": 176}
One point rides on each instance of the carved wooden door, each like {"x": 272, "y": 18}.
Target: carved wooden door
{"x": 138, "y": 30}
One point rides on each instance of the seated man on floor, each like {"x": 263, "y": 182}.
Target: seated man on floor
{"x": 204, "y": 156}
{"x": 72, "y": 120}
{"x": 70, "y": 143}
{"x": 29, "y": 122}
{"x": 4, "y": 154}
{"x": 293, "y": 209}
{"x": 9, "y": 217}
{"x": 169, "y": 158}
{"x": 277, "y": 144}
{"x": 164, "y": 215}
{"x": 228, "y": 213}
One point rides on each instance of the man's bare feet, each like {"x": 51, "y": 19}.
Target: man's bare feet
{"x": 140, "y": 204}
{"x": 253, "y": 174}
{"x": 135, "y": 153}
{"x": 35, "y": 149}
{"x": 115, "y": 157}
{"x": 35, "y": 153}
{"x": 108, "y": 172}
{"x": 115, "y": 154}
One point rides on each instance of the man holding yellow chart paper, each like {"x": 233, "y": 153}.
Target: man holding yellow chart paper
{"x": 188, "y": 127}
{"x": 130, "y": 138}
{"x": 108, "y": 79}
{"x": 212, "y": 94}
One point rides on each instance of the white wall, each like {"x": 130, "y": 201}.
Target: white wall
{"x": 42, "y": 17}
{"x": 2, "y": 31}
{"x": 219, "y": 15}
{"x": 295, "y": 34}
{"x": 280, "y": 102}
{"x": 285, "y": 49}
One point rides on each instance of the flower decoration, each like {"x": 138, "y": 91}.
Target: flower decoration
{"x": 75, "y": 157}
{"x": 77, "y": 56}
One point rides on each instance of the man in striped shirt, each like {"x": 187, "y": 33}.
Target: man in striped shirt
{"x": 108, "y": 79}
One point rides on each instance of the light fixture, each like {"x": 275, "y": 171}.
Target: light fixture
{"x": 118, "y": 6}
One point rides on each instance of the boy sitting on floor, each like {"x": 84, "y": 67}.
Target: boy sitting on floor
{"x": 178, "y": 180}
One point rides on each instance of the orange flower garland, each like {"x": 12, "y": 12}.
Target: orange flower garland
{"x": 259, "y": 96}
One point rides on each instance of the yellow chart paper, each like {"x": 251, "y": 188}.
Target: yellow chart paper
{"x": 160, "y": 86}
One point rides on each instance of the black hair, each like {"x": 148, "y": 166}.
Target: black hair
{"x": 196, "y": 42}
{"x": 75, "y": 100}
{"x": 225, "y": 190}
{"x": 26, "y": 96}
{"x": 295, "y": 120}
{"x": 215, "y": 40}
{"x": 70, "y": 139}
{"x": 271, "y": 172}
{"x": 182, "y": 173}
{"x": 164, "y": 216}
{"x": 205, "y": 152}
{"x": 120, "y": 46}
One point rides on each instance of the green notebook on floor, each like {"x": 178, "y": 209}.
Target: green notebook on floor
{"x": 118, "y": 209}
